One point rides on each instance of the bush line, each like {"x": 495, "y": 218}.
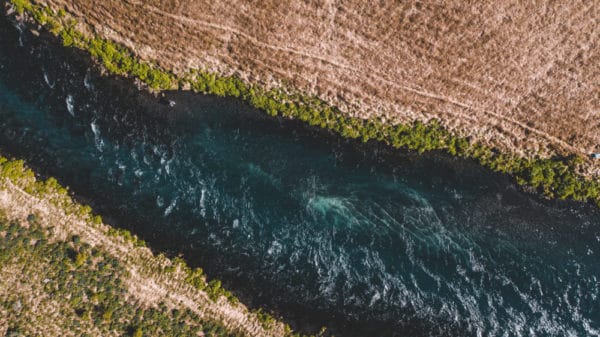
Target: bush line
{"x": 554, "y": 177}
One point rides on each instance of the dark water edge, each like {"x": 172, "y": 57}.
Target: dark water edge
{"x": 148, "y": 117}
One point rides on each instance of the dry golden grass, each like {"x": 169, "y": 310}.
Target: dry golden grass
{"x": 518, "y": 75}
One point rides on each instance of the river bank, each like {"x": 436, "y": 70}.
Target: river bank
{"x": 500, "y": 68}
{"x": 150, "y": 281}
{"x": 569, "y": 174}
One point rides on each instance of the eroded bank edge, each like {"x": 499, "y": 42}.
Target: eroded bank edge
{"x": 556, "y": 177}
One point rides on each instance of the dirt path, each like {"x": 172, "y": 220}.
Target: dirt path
{"x": 250, "y": 38}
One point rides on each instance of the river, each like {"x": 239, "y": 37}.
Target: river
{"x": 366, "y": 240}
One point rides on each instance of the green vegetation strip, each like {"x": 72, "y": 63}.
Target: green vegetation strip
{"x": 556, "y": 177}
{"x": 100, "y": 311}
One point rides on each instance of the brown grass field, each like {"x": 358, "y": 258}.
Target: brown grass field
{"x": 522, "y": 76}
